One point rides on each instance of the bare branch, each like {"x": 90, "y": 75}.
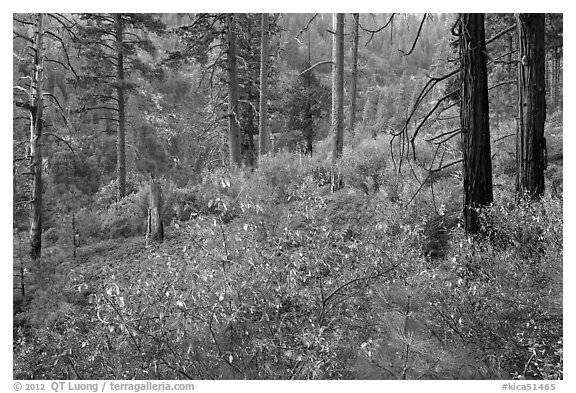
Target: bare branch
{"x": 507, "y": 82}
{"x": 447, "y": 166}
{"x": 23, "y": 21}
{"x": 20, "y": 89}
{"x": 306, "y": 27}
{"x": 504, "y": 137}
{"x": 415, "y": 39}
{"x": 59, "y": 106}
{"x": 430, "y": 114}
{"x": 316, "y": 65}
{"x": 18, "y": 35}
{"x": 507, "y": 30}
{"x": 59, "y": 139}
{"x": 443, "y": 134}
{"x": 64, "y": 48}
{"x": 372, "y": 32}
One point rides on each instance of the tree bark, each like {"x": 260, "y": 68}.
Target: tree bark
{"x": 530, "y": 140}
{"x": 36, "y": 128}
{"x": 249, "y": 147}
{"x": 155, "y": 224}
{"x": 477, "y": 168}
{"x": 264, "y": 139}
{"x": 120, "y": 87}
{"x": 233, "y": 127}
{"x": 337, "y": 96}
{"x": 557, "y": 77}
{"x": 354, "y": 71}
{"x": 511, "y": 56}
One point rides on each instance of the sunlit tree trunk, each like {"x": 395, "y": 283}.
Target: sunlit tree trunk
{"x": 264, "y": 139}
{"x": 353, "y": 88}
{"x": 337, "y": 96}
{"x": 36, "y": 126}
{"x": 530, "y": 140}
{"x": 233, "y": 127}
{"x": 120, "y": 86}
{"x": 477, "y": 168}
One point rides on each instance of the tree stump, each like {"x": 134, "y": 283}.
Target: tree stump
{"x": 155, "y": 224}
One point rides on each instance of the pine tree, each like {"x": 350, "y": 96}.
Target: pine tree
{"x": 111, "y": 44}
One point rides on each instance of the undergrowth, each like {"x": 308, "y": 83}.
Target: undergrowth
{"x": 265, "y": 274}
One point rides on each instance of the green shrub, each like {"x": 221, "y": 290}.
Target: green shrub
{"x": 364, "y": 167}
{"x": 502, "y": 292}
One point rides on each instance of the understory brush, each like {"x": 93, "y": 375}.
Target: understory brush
{"x": 265, "y": 275}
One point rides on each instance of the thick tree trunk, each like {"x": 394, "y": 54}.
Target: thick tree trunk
{"x": 233, "y": 127}
{"x": 477, "y": 169}
{"x": 530, "y": 140}
{"x": 155, "y": 224}
{"x": 337, "y": 96}
{"x": 120, "y": 86}
{"x": 264, "y": 139}
{"x": 354, "y": 71}
{"x": 36, "y": 126}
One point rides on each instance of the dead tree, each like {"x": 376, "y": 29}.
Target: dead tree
{"x": 36, "y": 127}
{"x": 337, "y": 97}
{"x": 155, "y": 225}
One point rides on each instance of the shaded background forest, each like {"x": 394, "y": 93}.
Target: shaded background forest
{"x": 264, "y": 272}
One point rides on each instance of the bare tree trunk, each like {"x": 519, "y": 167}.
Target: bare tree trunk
{"x": 36, "y": 127}
{"x": 337, "y": 96}
{"x": 474, "y": 120}
{"x": 530, "y": 140}
{"x": 354, "y": 71}
{"x": 264, "y": 140}
{"x": 309, "y": 125}
{"x": 248, "y": 146}
{"x": 556, "y": 77}
{"x": 511, "y": 56}
{"x": 233, "y": 127}
{"x": 120, "y": 86}
{"x": 155, "y": 224}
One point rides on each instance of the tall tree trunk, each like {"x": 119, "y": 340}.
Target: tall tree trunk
{"x": 557, "y": 77}
{"x": 477, "y": 169}
{"x": 155, "y": 224}
{"x": 249, "y": 147}
{"x": 264, "y": 139}
{"x": 547, "y": 74}
{"x": 530, "y": 140}
{"x": 337, "y": 96}
{"x": 120, "y": 87}
{"x": 511, "y": 55}
{"x": 36, "y": 126}
{"x": 309, "y": 125}
{"x": 354, "y": 71}
{"x": 233, "y": 127}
